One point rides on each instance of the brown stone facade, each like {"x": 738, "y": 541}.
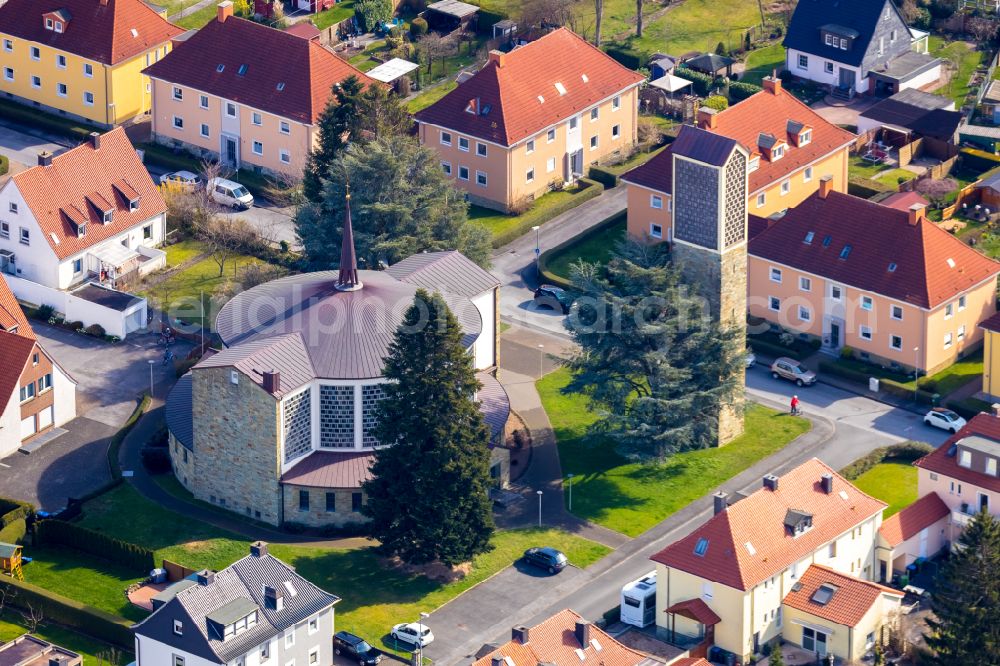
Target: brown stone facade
{"x": 316, "y": 513}
{"x": 181, "y": 460}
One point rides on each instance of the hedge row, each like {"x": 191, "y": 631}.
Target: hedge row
{"x": 4, "y": 165}
{"x": 969, "y": 407}
{"x": 866, "y": 188}
{"x": 14, "y": 531}
{"x": 46, "y": 122}
{"x": 57, "y": 608}
{"x": 560, "y": 280}
{"x": 978, "y": 160}
{"x": 768, "y": 348}
{"x": 625, "y": 56}
{"x": 701, "y": 83}
{"x": 115, "y": 445}
{"x": 11, "y": 510}
{"x": 603, "y": 175}
{"x": 906, "y": 452}
{"x": 888, "y": 385}
{"x": 589, "y": 190}
{"x": 60, "y": 533}
{"x": 738, "y": 90}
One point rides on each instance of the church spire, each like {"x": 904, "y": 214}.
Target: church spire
{"x": 348, "y": 279}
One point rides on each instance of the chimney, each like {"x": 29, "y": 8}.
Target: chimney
{"x": 996, "y": 409}
{"x": 583, "y": 633}
{"x": 825, "y": 186}
{"x": 497, "y": 57}
{"x": 772, "y": 84}
{"x": 497, "y": 660}
{"x": 827, "y": 482}
{"x": 225, "y": 10}
{"x": 916, "y": 214}
{"x": 206, "y": 577}
{"x": 95, "y": 140}
{"x": 519, "y": 634}
{"x": 44, "y": 158}
{"x": 706, "y": 118}
{"x": 770, "y": 482}
{"x": 720, "y": 501}
{"x": 55, "y": 661}
{"x": 272, "y": 384}
{"x": 258, "y": 548}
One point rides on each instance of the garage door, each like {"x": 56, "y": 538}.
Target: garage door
{"x": 45, "y": 418}
{"x": 27, "y": 427}
{"x": 134, "y": 321}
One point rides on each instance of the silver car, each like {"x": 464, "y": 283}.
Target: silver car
{"x": 793, "y": 371}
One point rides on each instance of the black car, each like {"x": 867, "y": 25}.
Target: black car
{"x": 356, "y": 647}
{"x": 546, "y": 558}
{"x": 555, "y": 298}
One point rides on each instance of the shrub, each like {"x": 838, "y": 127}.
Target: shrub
{"x": 978, "y": 160}
{"x": 603, "y": 176}
{"x": 738, "y": 90}
{"x": 11, "y": 510}
{"x": 701, "y": 83}
{"x": 14, "y": 532}
{"x": 627, "y": 57}
{"x": 73, "y": 325}
{"x": 4, "y": 165}
{"x": 45, "y": 312}
{"x": 846, "y": 352}
{"x": 866, "y": 188}
{"x": 372, "y": 13}
{"x": 60, "y": 533}
{"x": 717, "y": 102}
{"x": 156, "y": 459}
{"x": 836, "y": 369}
{"x": 720, "y": 48}
{"x": 418, "y": 27}
{"x": 905, "y": 452}
{"x": 95, "y": 330}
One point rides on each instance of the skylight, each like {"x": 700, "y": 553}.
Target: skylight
{"x": 135, "y": 33}
{"x": 290, "y": 588}
{"x": 823, "y": 594}
{"x": 561, "y": 88}
{"x": 826, "y": 241}
{"x": 843, "y": 495}
{"x": 243, "y": 69}
{"x": 581, "y": 655}
{"x": 845, "y": 252}
{"x": 750, "y": 548}
{"x": 281, "y": 86}
{"x": 951, "y": 262}
{"x": 220, "y": 67}
{"x": 809, "y": 238}
{"x": 584, "y": 77}
{"x": 541, "y": 100}
{"x": 892, "y": 267}
{"x": 701, "y": 547}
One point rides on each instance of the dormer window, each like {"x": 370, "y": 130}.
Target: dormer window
{"x": 777, "y": 152}
{"x": 81, "y": 230}
{"x": 49, "y": 24}
{"x": 964, "y": 458}
{"x": 798, "y": 522}
{"x": 232, "y": 619}
{"x": 805, "y": 137}
{"x": 133, "y": 204}
{"x": 58, "y": 26}
{"x": 106, "y": 217}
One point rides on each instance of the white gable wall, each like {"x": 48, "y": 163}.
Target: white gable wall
{"x": 10, "y": 424}
{"x": 35, "y": 261}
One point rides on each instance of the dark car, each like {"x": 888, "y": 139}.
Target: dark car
{"x": 555, "y": 298}
{"x": 356, "y": 648}
{"x": 546, "y": 558}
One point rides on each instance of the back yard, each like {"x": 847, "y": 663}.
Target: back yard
{"x": 964, "y": 59}
{"x": 895, "y": 483}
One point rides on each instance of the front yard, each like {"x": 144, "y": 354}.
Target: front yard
{"x": 762, "y": 62}
{"x": 944, "y": 382}
{"x": 895, "y": 483}
{"x": 505, "y": 228}
{"x": 631, "y": 497}
{"x": 592, "y": 248}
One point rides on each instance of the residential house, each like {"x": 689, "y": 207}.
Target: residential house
{"x": 824, "y": 270}
{"x": 990, "y": 102}
{"x": 256, "y": 611}
{"x": 532, "y": 119}
{"x": 728, "y": 582}
{"x": 791, "y": 147}
{"x": 82, "y": 58}
{"x": 215, "y": 96}
{"x": 565, "y": 639}
{"x": 858, "y": 46}
{"x": 36, "y": 394}
{"x": 913, "y": 114}
{"x": 991, "y": 357}
{"x": 28, "y": 650}
{"x": 918, "y": 531}
{"x": 904, "y": 200}
{"x": 79, "y": 227}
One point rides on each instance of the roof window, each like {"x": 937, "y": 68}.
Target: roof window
{"x": 892, "y": 267}
{"x": 243, "y": 69}
{"x": 280, "y": 86}
{"x": 951, "y": 262}
{"x": 845, "y": 252}
{"x": 701, "y": 547}
{"x": 809, "y": 238}
{"x": 750, "y": 548}
{"x": 585, "y": 79}
{"x": 290, "y": 588}
{"x": 541, "y": 100}
{"x": 826, "y": 240}
{"x": 220, "y": 67}
{"x": 823, "y": 594}
{"x": 135, "y": 33}
{"x": 561, "y": 88}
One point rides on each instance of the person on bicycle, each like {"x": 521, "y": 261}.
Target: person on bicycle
{"x": 795, "y": 404}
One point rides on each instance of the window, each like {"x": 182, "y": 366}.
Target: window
{"x": 828, "y": 38}
{"x": 594, "y": 114}
{"x": 786, "y": 187}
{"x": 48, "y": 24}
{"x": 178, "y": 627}
{"x": 258, "y": 148}
{"x": 203, "y": 101}
{"x": 807, "y": 175}
{"x": 481, "y": 149}
{"x": 828, "y": 67}
{"x": 178, "y": 660}
{"x": 256, "y": 119}
{"x": 61, "y": 89}
{"x": 88, "y": 98}
{"x": 700, "y": 549}
{"x": 964, "y": 458}
{"x": 991, "y": 466}
{"x": 777, "y": 152}
{"x": 446, "y": 167}
{"x": 832, "y": 549}
{"x": 949, "y": 310}
{"x": 803, "y": 61}
{"x": 290, "y": 636}
{"x": 331, "y": 502}
{"x": 463, "y": 144}
{"x": 178, "y": 93}
{"x": 147, "y": 232}
{"x": 655, "y": 201}
{"x": 463, "y": 173}
{"x": 835, "y": 292}
{"x": 4, "y": 229}
{"x": 204, "y": 130}
{"x": 961, "y": 303}
{"x": 88, "y": 70}
{"x": 896, "y": 342}
{"x": 655, "y": 231}
{"x": 530, "y": 146}
{"x": 313, "y": 625}
{"x": 550, "y": 136}
{"x": 8, "y": 45}
{"x": 285, "y": 156}
{"x": 313, "y": 657}
{"x": 947, "y": 340}
{"x": 616, "y": 102}
{"x": 961, "y": 333}
{"x": 61, "y": 61}
{"x": 481, "y": 178}
{"x": 805, "y": 284}
{"x": 265, "y": 649}
{"x": 445, "y": 138}
{"x": 804, "y": 313}
{"x": 774, "y": 303}
{"x": 8, "y": 73}
{"x": 25, "y": 236}
{"x": 593, "y": 142}
{"x": 574, "y": 122}
{"x": 775, "y": 275}
{"x": 355, "y": 502}
{"x": 27, "y": 392}
{"x": 530, "y": 175}
{"x": 866, "y": 303}
{"x": 550, "y": 165}
{"x": 761, "y": 200}
{"x": 178, "y": 122}
{"x": 77, "y": 266}
{"x": 230, "y": 109}
{"x": 284, "y": 127}
{"x": 865, "y": 333}
{"x": 35, "y": 53}
{"x": 616, "y": 131}
{"x": 897, "y": 312}
{"x": 36, "y": 82}
{"x": 303, "y": 504}
{"x": 804, "y": 138}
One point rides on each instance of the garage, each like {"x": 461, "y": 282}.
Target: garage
{"x": 27, "y": 427}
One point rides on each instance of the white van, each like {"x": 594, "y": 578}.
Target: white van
{"x": 230, "y": 193}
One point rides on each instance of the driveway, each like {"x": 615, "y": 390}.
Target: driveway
{"x": 22, "y": 149}
{"x": 845, "y": 115}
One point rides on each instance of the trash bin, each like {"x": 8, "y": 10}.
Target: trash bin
{"x": 873, "y": 384}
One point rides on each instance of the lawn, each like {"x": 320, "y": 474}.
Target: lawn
{"x": 858, "y": 166}
{"x": 640, "y": 157}
{"x": 343, "y": 11}
{"x": 632, "y": 497}
{"x": 374, "y": 598}
{"x": 185, "y": 251}
{"x": 12, "y": 626}
{"x": 948, "y": 380}
{"x": 762, "y": 62}
{"x": 593, "y": 248}
{"x": 896, "y": 176}
{"x": 502, "y": 225}
{"x": 894, "y": 483}
{"x": 430, "y": 95}
{"x": 698, "y": 25}
{"x": 198, "y": 19}
{"x": 963, "y": 57}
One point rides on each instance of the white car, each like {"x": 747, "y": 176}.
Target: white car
{"x": 418, "y": 635}
{"x": 184, "y": 179}
{"x": 230, "y": 193}
{"x": 939, "y": 417}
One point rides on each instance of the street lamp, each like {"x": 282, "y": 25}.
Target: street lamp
{"x": 539, "y": 507}
{"x": 541, "y": 360}
{"x": 151, "y": 364}
{"x": 420, "y": 638}
{"x": 570, "y": 484}
{"x": 916, "y": 371}
{"x": 538, "y": 249}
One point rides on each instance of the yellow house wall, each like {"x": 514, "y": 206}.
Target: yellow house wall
{"x": 980, "y": 304}
{"x": 991, "y": 364}
{"x": 131, "y": 91}
{"x": 730, "y": 604}
{"x": 847, "y": 643}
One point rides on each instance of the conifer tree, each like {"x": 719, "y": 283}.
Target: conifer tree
{"x": 334, "y": 125}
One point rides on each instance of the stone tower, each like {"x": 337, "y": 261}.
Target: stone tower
{"x": 710, "y": 235}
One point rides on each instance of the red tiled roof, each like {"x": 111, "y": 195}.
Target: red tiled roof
{"x": 767, "y": 113}
{"x": 926, "y": 511}
{"x": 511, "y": 85}
{"x": 11, "y": 314}
{"x": 697, "y": 610}
{"x": 929, "y": 265}
{"x": 331, "y": 469}
{"x": 305, "y": 71}
{"x": 748, "y": 542}
{"x": 903, "y": 200}
{"x": 77, "y": 174}
{"x": 95, "y": 30}
{"x": 15, "y": 351}
{"x": 303, "y": 29}
{"x": 691, "y": 661}
{"x": 554, "y": 642}
{"x": 938, "y": 460}
{"x": 991, "y": 323}
{"x": 851, "y": 600}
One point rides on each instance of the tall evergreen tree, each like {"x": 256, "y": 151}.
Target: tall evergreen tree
{"x": 334, "y": 127}
{"x": 402, "y": 203}
{"x": 966, "y": 601}
{"x": 428, "y": 496}
{"x": 652, "y": 362}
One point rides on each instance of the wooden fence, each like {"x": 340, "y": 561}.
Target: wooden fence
{"x": 176, "y": 572}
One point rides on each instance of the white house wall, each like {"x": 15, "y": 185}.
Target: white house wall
{"x": 484, "y": 349}
{"x": 815, "y": 71}
{"x": 64, "y": 390}
{"x": 149, "y": 652}
{"x": 132, "y": 238}
{"x": 932, "y": 75}
{"x": 35, "y": 261}
{"x": 74, "y": 308}
{"x": 10, "y": 425}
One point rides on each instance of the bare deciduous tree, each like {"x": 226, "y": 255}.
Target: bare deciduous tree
{"x": 436, "y": 47}
{"x": 598, "y": 19}
{"x": 32, "y": 617}
{"x": 226, "y": 237}
{"x": 983, "y": 29}
{"x": 546, "y": 13}
{"x": 936, "y": 189}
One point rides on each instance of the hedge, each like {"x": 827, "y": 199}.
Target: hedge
{"x": 60, "y": 533}
{"x": 768, "y": 348}
{"x": 167, "y": 158}
{"x": 589, "y": 189}
{"x": 890, "y": 386}
{"x": 57, "y": 608}
{"x": 14, "y": 532}
{"x": 11, "y": 510}
{"x": 978, "y": 160}
{"x": 4, "y": 165}
{"x": 969, "y": 407}
{"x": 905, "y": 452}
{"x": 46, "y": 122}
{"x": 738, "y": 90}
{"x": 561, "y": 281}
{"x": 866, "y": 188}
{"x": 625, "y": 56}
{"x": 700, "y": 83}
{"x": 604, "y": 176}
{"x": 486, "y": 19}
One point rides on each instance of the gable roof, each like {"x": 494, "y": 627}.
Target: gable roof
{"x": 766, "y": 112}
{"x": 845, "y": 17}
{"x": 242, "y": 581}
{"x": 518, "y": 94}
{"x": 943, "y": 460}
{"x": 294, "y": 80}
{"x": 12, "y": 317}
{"x": 923, "y": 513}
{"x": 94, "y": 30}
{"x": 924, "y": 265}
{"x": 903, "y": 200}
{"x": 749, "y": 542}
{"x": 702, "y": 145}
{"x": 286, "y": 354}
{"x": 554, "y": 642}
{"x": 81, "y": 177}
{"x": 448, "y": 271}
{"x": 850, "y": 601}
{"x": 15, "y": 351}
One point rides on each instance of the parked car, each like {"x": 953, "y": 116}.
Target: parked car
{"x": 751, "y": 359}
{"x": 414, "y": 633}
{"x": 185, "y": 179}
{"x": 793, "y": 371}
{"x": 939, "y": 417}
{"x": 546, "y": 558}
{"x": 357, "y": 648}
{"x": 552, "y": 297}
{"x": 230, "y": 193}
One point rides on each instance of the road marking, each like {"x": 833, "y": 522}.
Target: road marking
{"x": 3, "y": 465}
